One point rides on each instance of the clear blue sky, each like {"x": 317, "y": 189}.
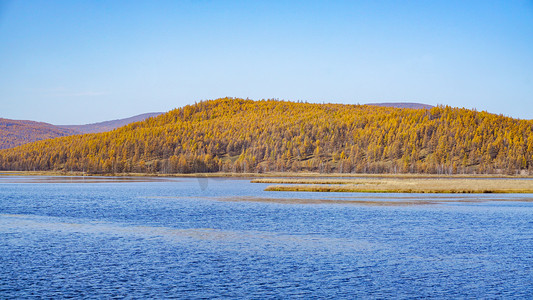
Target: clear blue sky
{"x": 75, "y": 62}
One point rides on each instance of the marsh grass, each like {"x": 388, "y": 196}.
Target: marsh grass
{"x": 403, "y": 185}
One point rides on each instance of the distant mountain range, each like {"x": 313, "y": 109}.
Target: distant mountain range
{"x": 108, "y": 125}
{"x": 403, "y": 105}
{"x": 18, "y": 132}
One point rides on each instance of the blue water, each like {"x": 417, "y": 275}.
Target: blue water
{"x": 211, "y": 238}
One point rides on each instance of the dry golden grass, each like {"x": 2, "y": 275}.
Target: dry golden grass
{"x": 403, "y": 185}
{"x": 312, "y": 180}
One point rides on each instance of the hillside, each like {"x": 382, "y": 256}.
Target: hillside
{"x": 237, "y": 135}
{"x": 108, "y": 125}
{"x": 17, "y": 132}
{"x": 403, "y": 105}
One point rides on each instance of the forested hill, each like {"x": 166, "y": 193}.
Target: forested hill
{"x": 237, "y": 135}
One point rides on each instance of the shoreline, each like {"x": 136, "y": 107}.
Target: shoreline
{"x": 271, "y": 175}
{"x": 346, "y": 183}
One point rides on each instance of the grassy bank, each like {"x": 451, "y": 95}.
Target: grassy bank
{"x": 403, "y": 185}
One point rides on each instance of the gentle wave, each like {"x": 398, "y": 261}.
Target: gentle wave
{"x": 31, "y": 222}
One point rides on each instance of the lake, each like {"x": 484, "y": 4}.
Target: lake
{"x": 227, "y": 238}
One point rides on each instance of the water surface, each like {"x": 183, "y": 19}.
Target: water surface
{"x": 204, "y": 238}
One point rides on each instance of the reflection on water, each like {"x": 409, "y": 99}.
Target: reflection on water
{"x": 32, "y": 223}
{"x": 229, "y": 238}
